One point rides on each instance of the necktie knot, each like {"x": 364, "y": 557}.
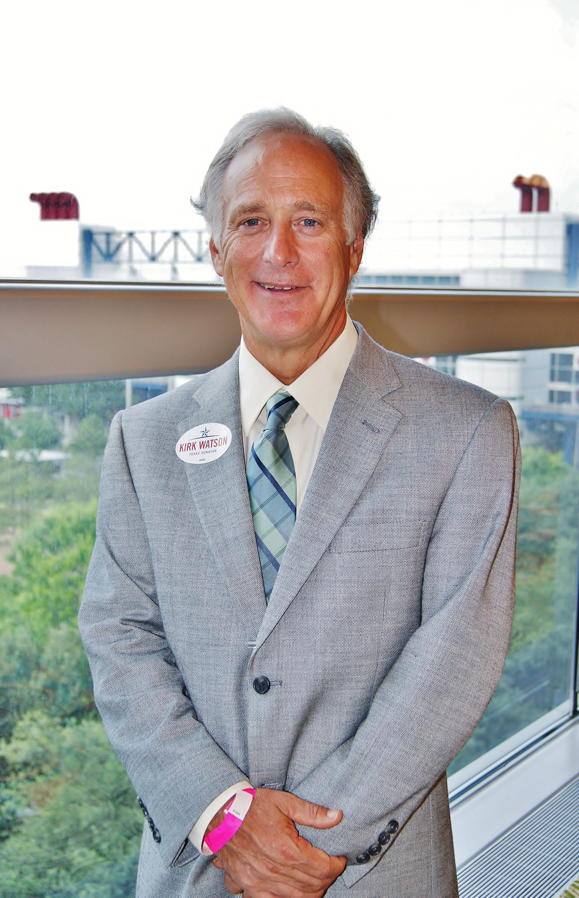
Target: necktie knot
{"x": 279, "y": 408}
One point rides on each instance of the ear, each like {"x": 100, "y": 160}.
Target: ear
{"x": 356, "y": 250}
{"x": 216, "y": 257}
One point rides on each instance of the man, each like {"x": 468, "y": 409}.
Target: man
{"x": 302, "y": 580}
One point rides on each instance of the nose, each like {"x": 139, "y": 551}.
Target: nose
{"x": 280, "y": 246}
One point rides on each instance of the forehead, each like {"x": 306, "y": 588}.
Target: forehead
{"x": 282, "y": 166}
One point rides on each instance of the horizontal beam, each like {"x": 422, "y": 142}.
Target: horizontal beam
{"x": 51, "y": 332}
{"x": 456, "y": 322}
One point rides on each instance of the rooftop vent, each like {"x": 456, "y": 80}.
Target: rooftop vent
{"x": 56, "y": 205}
{"x": 535, "y": 193}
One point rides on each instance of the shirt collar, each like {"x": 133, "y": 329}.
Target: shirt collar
{"x": 315, "y": 389}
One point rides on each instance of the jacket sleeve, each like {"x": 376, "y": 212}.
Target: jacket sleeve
{"x": 435, "y": 693}
{"x": 175, "y": 766}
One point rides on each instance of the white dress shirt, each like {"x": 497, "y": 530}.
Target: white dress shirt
{"x": 316, "y": 390}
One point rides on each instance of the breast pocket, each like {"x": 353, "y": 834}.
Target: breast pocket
{"x": 379, "y": 536}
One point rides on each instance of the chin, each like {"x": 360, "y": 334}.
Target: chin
{"x": 286, "y": 328}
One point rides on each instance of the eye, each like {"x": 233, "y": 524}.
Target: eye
{"x": 310, "y": 222}
{"x": 250, "y": 222}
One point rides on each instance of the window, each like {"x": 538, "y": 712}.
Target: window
{"x": 59, "y": 775}
{"x": 535, "y": 688}
{"x": 562, "y": 367}
{"x": 53, "y": 740}
{"x": 560, "y": 397}
{"x": 446, "y": 364}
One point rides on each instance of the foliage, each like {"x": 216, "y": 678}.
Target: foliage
{"x": 90, "y": 437}
{"x": 68, "y": 823}
{"x": 537, "y": 670}
{"x": 69, "y": 826}
{"x": 42, "y": 663}
{"x": 78, "y": 826}
{"x": 27, "y": 488}
{"x": 36, "y": 430}
{"x": 19, "y": 657}
{"x": 68, "y": 819}
{"x": 24, "y": 487}
{"x": 50, "y": 563}
{"x": 61, "y": 679}
{"x": 77, "y": 400}
{"x": 28, "y": 485}
{"x": 5, "y": 434}
{"x": 78, "y": 480}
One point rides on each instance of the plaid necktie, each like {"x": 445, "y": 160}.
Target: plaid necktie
{"x": 271, "y": 479}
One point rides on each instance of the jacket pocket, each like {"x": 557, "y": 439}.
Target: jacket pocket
{"x": 379, "y": 536}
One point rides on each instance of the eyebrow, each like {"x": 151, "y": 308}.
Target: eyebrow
{"x": 253, "y": 208}
{"x": 246, "y": 209}
{"x": 310, "y": 207}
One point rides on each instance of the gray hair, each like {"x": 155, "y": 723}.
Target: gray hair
{"x": 360, "y": 201}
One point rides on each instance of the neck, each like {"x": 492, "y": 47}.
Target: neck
{"x": 286, "y": 363}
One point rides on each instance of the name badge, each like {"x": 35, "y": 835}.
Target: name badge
{"x": 204, "y": 443}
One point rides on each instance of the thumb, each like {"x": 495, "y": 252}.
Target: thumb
{"x": 309, "y": 814}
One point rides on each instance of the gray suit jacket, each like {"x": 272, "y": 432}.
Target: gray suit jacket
{"x": 383, "y": 640}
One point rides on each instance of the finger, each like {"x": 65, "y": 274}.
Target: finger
{"x": 231, "y": 885}
{"x": 284, "y": 868}
{"x": 300, "y": 865}
{"x": 318, "y": 863}
{"x": 267, "y": 854}
{"x": 309, "y": 814}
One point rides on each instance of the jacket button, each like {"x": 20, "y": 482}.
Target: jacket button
{"x": 384, "y": 838}
{"x": 393, "y": 826}
{"x": 363, "y": 858}
{"x": 376, "y": 848}
{"x": 261, "y": 685}
{"x": 156, "y": 834}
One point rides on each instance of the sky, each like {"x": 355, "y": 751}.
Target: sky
{"x": 124, "y": 103}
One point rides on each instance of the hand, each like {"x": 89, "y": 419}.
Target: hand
{"x": 267, "y": 858}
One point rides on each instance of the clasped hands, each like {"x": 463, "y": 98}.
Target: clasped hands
{"x": 267, "y": 858}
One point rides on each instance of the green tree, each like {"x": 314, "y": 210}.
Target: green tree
{"x": 78, "y": 825}
{"x": 42, "y": 663}
{"x": 36, "y": 430}
{"x": 19, "y": 656}
{"x": 25, "y": 486}
{"x": 102, "y": 398}
{"x": 5, "y": 434}
{"x": 50, "y": 562}
{"x": 52, "y": 675}
{"x": 90, "y": 437}
{"x": 537, "y": 670}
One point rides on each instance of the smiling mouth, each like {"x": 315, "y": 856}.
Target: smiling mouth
{"x": 277, "y": 288}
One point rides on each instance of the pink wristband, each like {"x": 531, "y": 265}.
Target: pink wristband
{"x": 235, "y": 813}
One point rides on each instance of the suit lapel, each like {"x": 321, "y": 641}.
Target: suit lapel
{"x": 219, "y": 492}
{"x": 360, "y": 426}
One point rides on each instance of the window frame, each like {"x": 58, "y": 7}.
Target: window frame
{"x": 137, "y": 329}
{"x": 76, "y": 331}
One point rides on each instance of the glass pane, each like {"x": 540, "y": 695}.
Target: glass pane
{"x": 538, "y": 672}
{"x": 458, "y": 100}
{"x": 69, "y": 823}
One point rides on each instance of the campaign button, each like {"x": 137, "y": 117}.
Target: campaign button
{"x": 204, "y": 443}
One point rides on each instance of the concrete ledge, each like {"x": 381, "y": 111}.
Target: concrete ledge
{"x": 51, "y": 332}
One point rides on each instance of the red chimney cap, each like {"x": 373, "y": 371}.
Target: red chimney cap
{"x": 56, "y": 205}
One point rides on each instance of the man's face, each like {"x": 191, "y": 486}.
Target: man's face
{"x": 283, "y": 252}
